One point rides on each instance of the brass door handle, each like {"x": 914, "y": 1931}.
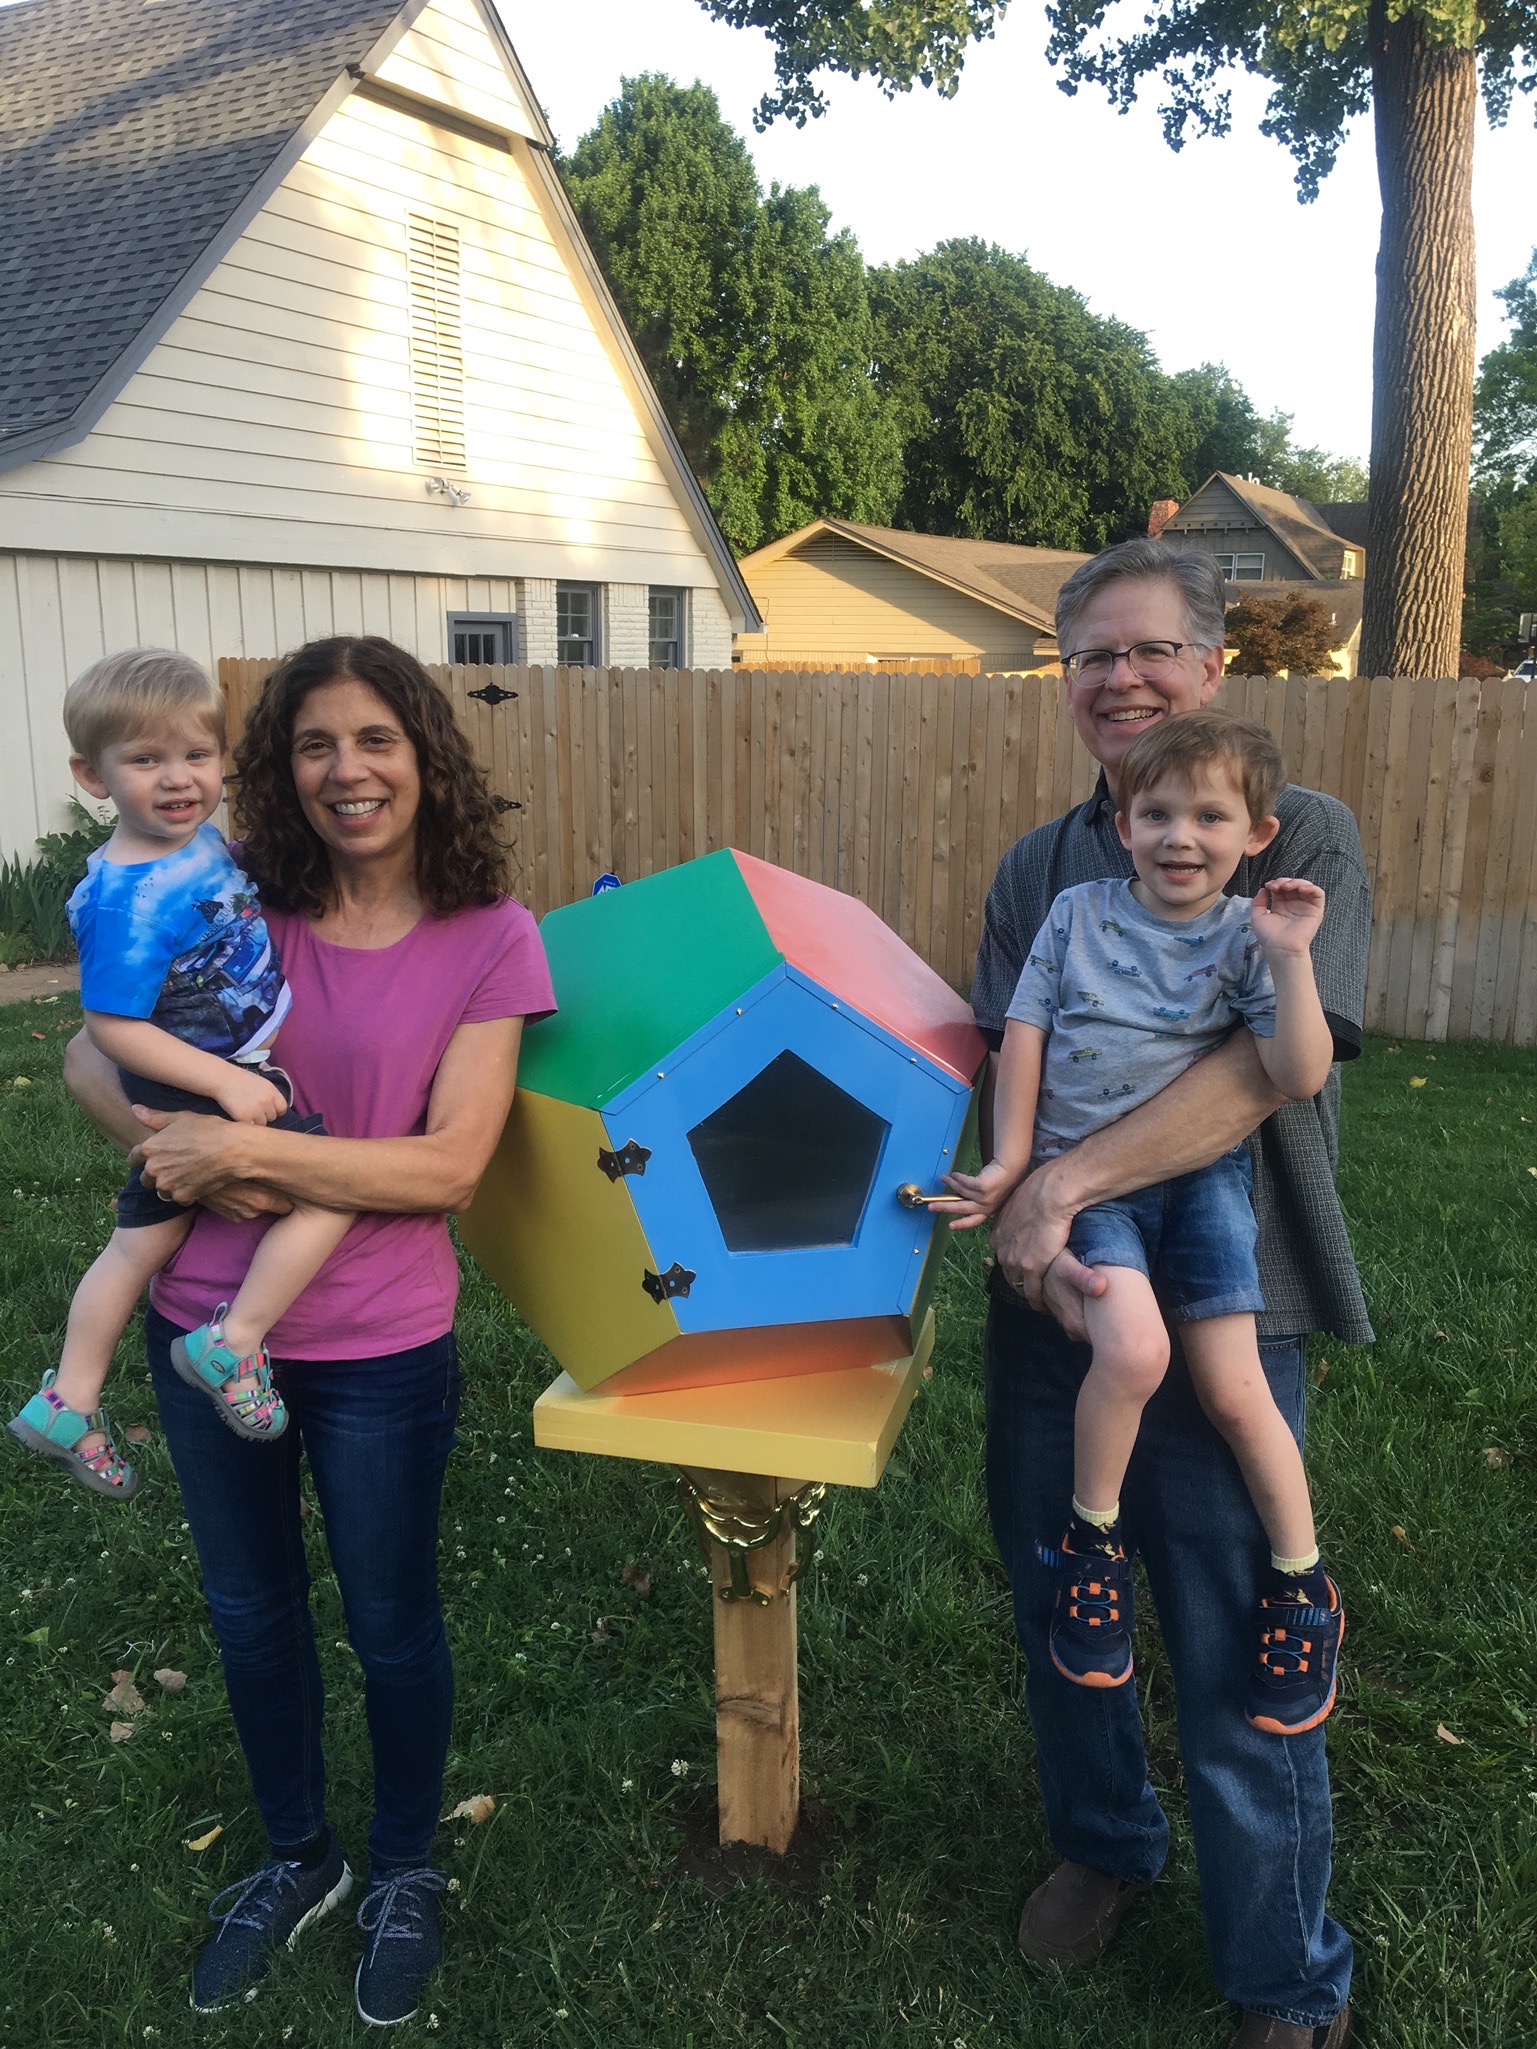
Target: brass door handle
{"x": 911, "y": 1196}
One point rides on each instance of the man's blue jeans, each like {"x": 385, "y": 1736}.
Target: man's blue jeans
{"x": 1259, "y": 1805}
{"x": 377, "y": 1434}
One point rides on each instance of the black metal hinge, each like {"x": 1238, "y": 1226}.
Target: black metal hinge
{"x": 493, "y": 693}
{"x": 505, "y": 804}
{"x": 630, "y": 1159}
{"x": 676, "y": 1281}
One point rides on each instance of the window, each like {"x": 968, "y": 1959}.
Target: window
{"x": 665, "y": 629}
{"x": 1242, "y": 568}
{"x": 437, "y": 342}
{"x": 1348, "y": 565}
{"x": 789, "y": 1161}
{"x": 576, "y": 623}
{"x": 476, "y": 637}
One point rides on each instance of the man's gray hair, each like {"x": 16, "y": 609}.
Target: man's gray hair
{"x": 1198, "y": 579}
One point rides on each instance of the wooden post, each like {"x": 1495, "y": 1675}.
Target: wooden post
{"x": 757, "y": 1706}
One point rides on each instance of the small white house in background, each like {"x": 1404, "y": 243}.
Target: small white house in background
{"x": 299, "y": 336}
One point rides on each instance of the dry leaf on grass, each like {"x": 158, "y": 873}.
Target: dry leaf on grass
{"x": 125, "y": 1694}
{"x": 170, "y": 1679}
{"x": 1497, "y": 1457}
{"x": 202, "y": 1842}
{"x": 1446, "y": 1735}
{"x": 137, "y": 1433}
{"x": 637, "y": 1576}
{"x": 1398, "y": 1531}
{"x": 120, "y": 1731}
{"x": 39, "y": 1035}
{"x": 1418, "y": 1081}
{"x": 480, "y": 1808}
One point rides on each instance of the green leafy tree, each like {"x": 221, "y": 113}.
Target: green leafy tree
{"x": 1233, "y": 436}
{"x": 753, "y": 321}
{"x": 1281, "y": 636}
{"x": 1416, "y": 65}
{"x": 1024, "y": 417}
{"x": 1502, "y": 571}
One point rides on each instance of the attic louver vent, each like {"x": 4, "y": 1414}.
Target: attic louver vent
{"x": 437, "y": 342}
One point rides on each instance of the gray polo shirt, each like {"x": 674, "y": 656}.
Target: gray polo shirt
{"x": 1306, "y": 1267}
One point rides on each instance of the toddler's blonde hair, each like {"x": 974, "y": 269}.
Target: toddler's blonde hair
{"x": 133, "y": 693}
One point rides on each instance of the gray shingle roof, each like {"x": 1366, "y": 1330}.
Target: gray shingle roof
{"x": 1024, "y": 581}
{"x": 133, "y": 132}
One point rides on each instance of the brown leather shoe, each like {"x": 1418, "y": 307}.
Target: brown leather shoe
{"x": 1257, "y": 2032}
{"x": 1072, "y": 1917}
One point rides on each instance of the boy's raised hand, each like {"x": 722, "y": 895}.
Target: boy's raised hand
{"x": 1286, "y": 915}
{"x": 249, "y": 1098}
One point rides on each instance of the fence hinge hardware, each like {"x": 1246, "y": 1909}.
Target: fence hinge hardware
{"x": 500, "y": 804}
{"x": 492, "y": 693}
{"x": 631, "y": 1158}
{"x": 676, "y": 1281}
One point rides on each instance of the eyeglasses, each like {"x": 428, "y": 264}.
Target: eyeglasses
{"x": 1148, "y": 660}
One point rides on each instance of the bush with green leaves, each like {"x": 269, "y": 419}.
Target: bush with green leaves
{"x": 33, "y": 895}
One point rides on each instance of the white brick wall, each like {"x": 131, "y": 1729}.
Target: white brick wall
{"x": 536, "y": 619}
{"x": 627, "y": 626}
{"x": 709, "y": 636}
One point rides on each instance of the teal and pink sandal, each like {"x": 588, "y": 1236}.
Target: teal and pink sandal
{"x": 53, "y": 1430}
{"x": 206, "y": 1362}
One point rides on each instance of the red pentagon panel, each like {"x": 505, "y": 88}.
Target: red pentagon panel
{"x": 841, "y": 943}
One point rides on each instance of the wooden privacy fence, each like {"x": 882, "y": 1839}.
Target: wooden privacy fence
{"x": 905, "y": 790}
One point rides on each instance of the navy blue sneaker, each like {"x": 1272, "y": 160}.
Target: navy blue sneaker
{"x": 399, "y": 1915}
{"x": 268, "y": 1911}
{"x": 1090, "y": 1637}
{"x": 1293, "y": 1686}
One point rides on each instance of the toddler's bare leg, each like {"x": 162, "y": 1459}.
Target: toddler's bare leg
{"x": 1131, "y": 1356}
{"x": 104, "y": 1301}
{"x": 1223, "y": 1356}
{"x": 286, "y": 1261}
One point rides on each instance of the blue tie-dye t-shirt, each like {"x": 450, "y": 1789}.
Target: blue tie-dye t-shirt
{"x": 180, "y": 941}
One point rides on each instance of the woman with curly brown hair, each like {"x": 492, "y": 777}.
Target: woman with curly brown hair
{"x": 371, "y": 836}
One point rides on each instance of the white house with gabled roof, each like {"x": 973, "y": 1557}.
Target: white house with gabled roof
{"x": 302, "y": 337}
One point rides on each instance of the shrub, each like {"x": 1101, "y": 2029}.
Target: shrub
{"x": 33, "y": 925}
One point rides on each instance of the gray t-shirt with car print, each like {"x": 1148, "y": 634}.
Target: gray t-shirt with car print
{"x": 1129, "y": 999}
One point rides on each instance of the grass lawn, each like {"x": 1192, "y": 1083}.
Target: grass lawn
{"x": 585, "y": 1706}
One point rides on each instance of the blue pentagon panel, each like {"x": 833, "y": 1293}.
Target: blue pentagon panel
{"x": 789, "y": 1161}
{"x": 900, "y": 1117}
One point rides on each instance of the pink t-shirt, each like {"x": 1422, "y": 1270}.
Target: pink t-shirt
{"x": 362, "y": 1043}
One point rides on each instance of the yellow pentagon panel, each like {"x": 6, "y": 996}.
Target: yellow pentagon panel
{"x": 563, "y": 1242}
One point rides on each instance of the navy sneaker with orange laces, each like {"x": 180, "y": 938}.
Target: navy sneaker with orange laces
{"x": 1090, "y": 1637}
{"x": 1301, "y": 1626}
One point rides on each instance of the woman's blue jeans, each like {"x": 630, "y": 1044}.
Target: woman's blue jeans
{"x": 377, "y": 1434}
{"x": 1259, "y": 1805}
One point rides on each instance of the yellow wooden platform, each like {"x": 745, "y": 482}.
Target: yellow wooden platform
{"x": 837, "y": 1427}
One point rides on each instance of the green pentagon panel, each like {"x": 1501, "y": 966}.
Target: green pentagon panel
{"x": 637, "y": 971}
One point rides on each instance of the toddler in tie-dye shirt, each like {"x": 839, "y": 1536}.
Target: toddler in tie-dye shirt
{"x": 182, "y": 990}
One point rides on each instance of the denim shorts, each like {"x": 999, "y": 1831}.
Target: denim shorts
{"x": 1193, "y": 1236}
{"x": 138, "y": 1206}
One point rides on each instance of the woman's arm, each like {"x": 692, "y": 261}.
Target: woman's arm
{"x": 194, "y": 1159}
{"x": 92, "y": 1080}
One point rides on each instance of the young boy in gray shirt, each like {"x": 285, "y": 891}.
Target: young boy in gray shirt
{"x": 1128, "y": 983}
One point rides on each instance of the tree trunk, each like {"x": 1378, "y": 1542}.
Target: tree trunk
{"x": 1425, "y": 103}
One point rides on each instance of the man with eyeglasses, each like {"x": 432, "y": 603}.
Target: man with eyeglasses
{"x": 1141, "y": 630}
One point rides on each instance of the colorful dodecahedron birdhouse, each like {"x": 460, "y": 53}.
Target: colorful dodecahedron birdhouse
{"x": 699, "y": 1179}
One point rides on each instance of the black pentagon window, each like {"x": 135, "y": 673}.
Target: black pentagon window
{"x": 789, "y": 1160}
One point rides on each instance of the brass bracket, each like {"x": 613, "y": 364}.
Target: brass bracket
{"x": 740, "y": 1527}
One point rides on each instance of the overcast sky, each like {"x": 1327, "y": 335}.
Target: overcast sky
{"x": 1207, "y": 251}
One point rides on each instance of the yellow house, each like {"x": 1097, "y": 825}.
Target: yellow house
{"x": 839, "y": 595}
{"x": 301, "y": 338}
